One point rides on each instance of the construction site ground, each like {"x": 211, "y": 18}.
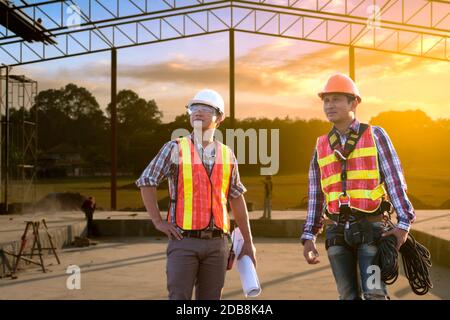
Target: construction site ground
{"x": 134, "y": 267}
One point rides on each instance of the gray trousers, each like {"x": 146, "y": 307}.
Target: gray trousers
{"x": 196, "y": 262}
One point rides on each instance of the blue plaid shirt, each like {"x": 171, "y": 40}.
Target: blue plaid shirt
{"x": 391, "y": 174}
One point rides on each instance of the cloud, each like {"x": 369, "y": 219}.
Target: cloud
{"x": 273, "y": 79}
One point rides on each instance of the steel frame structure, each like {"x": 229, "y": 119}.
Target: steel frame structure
{"x": 303, "y": 20}
{"x": 419, "y": 28}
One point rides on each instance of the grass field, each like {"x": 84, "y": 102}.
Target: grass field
{"x": 430, "y": 186}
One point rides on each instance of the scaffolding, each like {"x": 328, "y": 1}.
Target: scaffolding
{"x": 18, "y": 142}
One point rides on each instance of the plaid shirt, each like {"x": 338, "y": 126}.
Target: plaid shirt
{"x": 165, "y": 166}
{"x": 391, "y": 174}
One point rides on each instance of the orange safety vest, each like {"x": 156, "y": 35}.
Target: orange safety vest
{"x": 200, "y": 196}
{"x": 363, "y": 175}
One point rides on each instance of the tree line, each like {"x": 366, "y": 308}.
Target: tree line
{"x": 72, "y": 115}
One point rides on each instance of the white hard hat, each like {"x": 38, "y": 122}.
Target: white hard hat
{"x": 210, "y": 98}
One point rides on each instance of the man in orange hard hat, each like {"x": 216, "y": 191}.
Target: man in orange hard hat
{"x": 354, "y": 169}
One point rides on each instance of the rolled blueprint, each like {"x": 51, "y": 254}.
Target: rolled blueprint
{"x": 246, "y": 268}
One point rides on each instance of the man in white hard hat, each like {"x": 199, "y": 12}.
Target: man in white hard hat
{"x": 203, "y": 176}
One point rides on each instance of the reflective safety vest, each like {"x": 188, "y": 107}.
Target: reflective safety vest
{"x": 200, "y": 196}
{"x": 363, "y": 176}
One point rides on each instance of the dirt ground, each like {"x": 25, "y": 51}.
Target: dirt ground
{"x": 134, "y": 268}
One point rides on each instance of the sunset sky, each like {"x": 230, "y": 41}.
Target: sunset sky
{"x": 274, "y": 77}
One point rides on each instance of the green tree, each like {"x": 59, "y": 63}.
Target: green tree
{"x": 416, "y": 137}
{"x": 71, "y": 115}
{"x": 139, "y": 122}
{"x": 135, "y": 113}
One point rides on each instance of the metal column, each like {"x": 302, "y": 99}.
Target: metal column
{"x": 6, "y": 144}
{"x": 351, "y": 55}
{"x": 232, "y": 82}
{"x": 1, "y": 130}
{"x": 113, "y": 128}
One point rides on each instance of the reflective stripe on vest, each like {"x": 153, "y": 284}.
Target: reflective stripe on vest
{"x": 363, "y": 175}
{"x": 200, "y": 196}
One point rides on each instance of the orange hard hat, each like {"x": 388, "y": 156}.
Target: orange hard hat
{"x": 340, "y": 83}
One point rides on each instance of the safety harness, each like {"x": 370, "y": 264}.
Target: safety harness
{"x": 353, "y": 227}
{"x": 342, "y": 155}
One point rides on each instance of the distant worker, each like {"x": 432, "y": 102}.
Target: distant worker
{"x": 203, "y": 176}
{"x": 88, "y": 208}
{"x": 268, "y": 187}
{"x": 353, "y": 170}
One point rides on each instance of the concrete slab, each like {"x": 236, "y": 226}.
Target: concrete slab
{"x": 134, "y": 268}
{"x": 431, "y": 227}
{"x": 63, "y": 228}
{"x": 434, "y": 222}
{"x": 12, "y": 226}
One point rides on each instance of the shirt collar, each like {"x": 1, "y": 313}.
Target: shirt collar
{"x": 199, "y": 145}
{"x": 354, "y": 127}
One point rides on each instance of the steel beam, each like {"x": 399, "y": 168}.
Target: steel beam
{"x": 232, "y": 78}
{"x": 351, "y": 62}
{"x": 113, "y": 129}
{"x": 255, "y": 19}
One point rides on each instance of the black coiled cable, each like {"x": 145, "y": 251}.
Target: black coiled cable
{"x": 416, "y": 262}
{"x": 387, "y": 259}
